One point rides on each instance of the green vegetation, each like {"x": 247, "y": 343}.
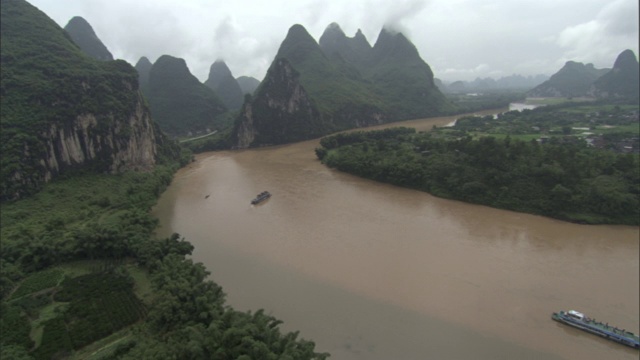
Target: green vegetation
{"x": 97, "y": 305}
{"x": 47, "y": 82}
{"x": 80, "y": 272}
{"x": 488, "y": 100}
{"x": 397, "y": 83}
{"x": 602, "y": 124}
{"x": 487, "y": 161}
{"x": 333, "y": 86}
{"x": 389, "y": 82}
{"x": 37, "y": 282}
{"x": 106, "y": 218}
{"x": 218, "y": 141}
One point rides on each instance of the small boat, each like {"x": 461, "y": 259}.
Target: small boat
{"x": 261, "y": 197}
{"x": 583, "y": 322}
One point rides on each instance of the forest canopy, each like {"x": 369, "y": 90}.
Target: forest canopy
{"x": 560, "y": 177}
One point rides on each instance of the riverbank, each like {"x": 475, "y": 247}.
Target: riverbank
{"x": 329, "y": 243}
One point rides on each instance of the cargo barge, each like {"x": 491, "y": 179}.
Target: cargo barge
{"x": 261, "y": 197}
{"x": 583, "y": 322}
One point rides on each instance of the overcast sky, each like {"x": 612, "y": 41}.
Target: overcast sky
{"x": 459, "y": 39}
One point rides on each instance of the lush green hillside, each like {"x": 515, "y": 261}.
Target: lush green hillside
{"x": 350, "y": 83}
{"x": 335, "y": 87}
{"x": 404, "y": 80}
{"x": 343, "y": 72}
{"x": 179, "y": 102}
{"x": 82, "y": 34}
{"x": 53, "y": 95}
{"x": 42, "y": 73}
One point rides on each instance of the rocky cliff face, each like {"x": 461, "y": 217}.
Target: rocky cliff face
{"x": 281, "y": 112}
{"x": 129, "y": 144}
{"x": 64, "y": 110}
{"x": 101, "y": 142}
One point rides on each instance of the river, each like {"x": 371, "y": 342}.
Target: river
{"x": 373, "y": 271}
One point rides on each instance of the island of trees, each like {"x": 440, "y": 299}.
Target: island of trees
{"x": 576, "y": 161}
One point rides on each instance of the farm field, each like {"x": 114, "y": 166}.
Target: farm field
{"x": 63, "y": 309}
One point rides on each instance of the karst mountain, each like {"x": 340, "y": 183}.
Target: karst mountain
{"x": 346, "y": 81}
{"x": 82, "y": 34}
{"x": 63, "y": 110}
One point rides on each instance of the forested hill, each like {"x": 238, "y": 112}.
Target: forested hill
{"x": 179, "y": 102}
{"x": 61, "y": 109}
{"x": 222, "y": 82}
{"x": 248, "y": 84}
{"x": 350, "y": 83}
{"x": 623, "y": 81}
{"x": 82, "y": 34}
{"x": 576, "y": 79}
{"x": 573, "y": 80}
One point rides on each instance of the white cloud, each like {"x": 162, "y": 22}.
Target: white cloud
{"x": 599, "y": 41}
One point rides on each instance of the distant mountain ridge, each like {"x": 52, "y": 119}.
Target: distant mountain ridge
{"x": 82, "y": 34}
{"x": 226, "y": 87}
{"x": 350, "y": 83}
{"x": 577, "y": 79}
{"x": 248, "y": 84}
{"x": 511, "y": 82}
{"x": 573, "y": 80}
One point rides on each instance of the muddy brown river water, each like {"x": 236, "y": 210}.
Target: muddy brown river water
{"x": 373, "y": 271}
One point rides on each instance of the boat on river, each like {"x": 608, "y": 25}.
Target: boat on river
{"x": 261, "y": 197}
{"x": 583, "y": 322}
